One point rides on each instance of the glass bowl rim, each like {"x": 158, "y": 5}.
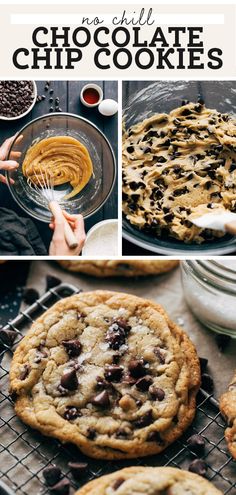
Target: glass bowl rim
{"x": 61, "y": 114}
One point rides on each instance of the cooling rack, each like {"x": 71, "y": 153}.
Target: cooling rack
{"x": 24, "y": 453}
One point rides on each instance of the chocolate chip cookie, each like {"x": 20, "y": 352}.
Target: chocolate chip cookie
{"x": 124, "y": 268}
{"x": 228, "y": 409}
{"x": 108, "y": 372}
{"x": 173, "y": 163}
{"x": 150, "y": 481}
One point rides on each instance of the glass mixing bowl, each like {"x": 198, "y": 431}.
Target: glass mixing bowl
{"x": 99, "y": 187}
{"x": 141, "y": 100}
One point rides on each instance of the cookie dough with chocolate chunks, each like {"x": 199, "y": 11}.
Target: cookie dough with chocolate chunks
{"x": 108, "y": 372}
{"x": 124, "y": 268}
{"x": 149, "y": 481}
{"x": 174, "y": 163}
{"x": 228, "y": 409}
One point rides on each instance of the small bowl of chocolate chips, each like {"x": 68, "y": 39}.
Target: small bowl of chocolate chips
{"x": 17, "y": 99}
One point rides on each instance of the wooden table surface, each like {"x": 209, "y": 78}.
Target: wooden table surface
{"x": 69, "y": 95}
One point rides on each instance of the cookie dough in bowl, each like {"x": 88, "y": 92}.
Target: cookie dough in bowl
{"x": 149, "y": 481}
{"x": 174, "y": 163}
{"x": 108, "y": 372}
{"x": 124, "y": 268}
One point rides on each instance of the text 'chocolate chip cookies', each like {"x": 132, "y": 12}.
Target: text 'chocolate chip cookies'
{"x": 174, "y": 163}
{"x": 108, "y": 372}
{"x": 149, "y": 481}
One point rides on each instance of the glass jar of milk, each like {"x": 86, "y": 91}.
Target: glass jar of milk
{"x": 210, "y": 291}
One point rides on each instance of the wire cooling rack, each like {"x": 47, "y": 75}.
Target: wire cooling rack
{"x": 24, "y": 453}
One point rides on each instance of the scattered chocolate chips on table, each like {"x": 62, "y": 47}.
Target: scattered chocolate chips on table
{"x": 30, "y": 295}
{"x": 52, "y": 475}
{"x": 7, "y": 337}
{"x": 198, "y": 466}
{"x": 61, "y": 488}
{"x": 78, "y": 469}
{"x": 207, "y": 383}
{"x": 15, "y": 97}
{"x": 52, "y": 281}
{"x": 196, "y": 443}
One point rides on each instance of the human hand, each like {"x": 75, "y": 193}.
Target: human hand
{"x": 59, "y": 246}
{"x": 8, "y": 164}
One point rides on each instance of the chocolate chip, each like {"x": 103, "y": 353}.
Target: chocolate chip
{"x": 101, "y": 400}
{"x": 136, "y": 368}
{"x": 203, "y": 364}
{"x": 186, "y": 112}
{"x": 144, "y": 383}
{"x": 52, "y": 281}
{"x": 147, "y": 150}
{"x": 160, "y": 354}
{"x": 201, "y": 101}
{"x": 115, "y": 336}
{"x": 122, "y": 433}
{"x": 71, "y": 413}
{"x": 232, "y": 167}
{"x": 117, "y": 483}
{"x": 61, "y": 488}
{"x": 210, "y": 206}
{"x": 78, "y": 468}
{"x": 7, "y": 337}
{"x": 39, "y": 356}
{"x": 69, "y": 380}
{"x": 180, "y": 191}
{"x": 157, "y": 393}
{"x": 154, "y": 436}
{"x": 196, "y": 443}
{"x": 91, "y": 433}
{"x": 198, "y": 466}
{"x": 130, "y": 149}
{"x": 52, "y": 475}
{"x": 221, "y": 340}
{"x": 113, "y": 373}
{"x": 122, "y": 322}
{"x": 169, "y": 217}
{"x": 144, "y": 420}
{"x": 73, "y": 347}
{"x": 207, "y": 383}
{"x": 30, "y": 295}
{"x": 25, "y": 372}
{"x": 129, "y": 379}
{"x": 160, "y": 159}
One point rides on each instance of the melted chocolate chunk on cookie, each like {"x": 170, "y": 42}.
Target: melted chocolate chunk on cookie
{"x": 52, "y": 475}
{"x": 73, "y": 347}
{"x": 144, "y": 420}
{"x": 117, "y": 483}
{"x": 154, "y": 436}
{"x": 123, "y": 432}
{"x": 122, "y": 322}
{"x": 130, "y": 149}
{"x": 101, "y": 383}
{"x": 113, "y": 373}
{"x": 101, "y": 400}
{"x": 160, "y": 159}
{"x": 160, "y": 354}
{"x": 144, "y": 383}
{"x": 39, "y": 356}
{"x": 157, "y": 393}
{"x": 72, "y": 412}
{"x": 25, "y": 372}
{"x": 115, "y": 336}
{"x": 69, "y": 380}
{"x": 180, "y": 191}
{"x": 137, "y": 368}
{"x": 186, "y": 112}
{"x": 91, "y": 433}
{"x": 169, "y": 217}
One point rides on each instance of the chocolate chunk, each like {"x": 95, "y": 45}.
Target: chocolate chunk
{"x": 91, "y": 433}
{"x": 113, "y": 373}
{"x": 39, "y": 356}
{"x": 160, "y": 354}
{"x": 25, "y": 372}
{"x": 180, "y": 191}
{"x": 198, "y": 466}
{"x": 221, "y": 340}
{"x": 154, "y": 436}
{"x": 102, "y": 383}
{"x": 101, "y": 400}
{"x": 52, "y": 281}
{"x": 78, "y": 468}
{"x": 7, "y": 337}
{"x": 52, "y": 475}
{"x": 130, "y": 149}
{"x": 160, "y": 159}
{"x": 201, "y": 101}
{"x": 129, "y": 379}
{"x": 73, "y": 347}
{"x": 144, "y": 420}
{"x": 136, "y": 368}
{"x": 115, "y": 336}
{"x": 168, "y": 217}
{"x": 61, "y": 488}
{"x": 147, "y": 150}
{"x": 71, "y": 413}
{"x": 210, "y": 206}
{"x": 203, "y": 364}
{"x": 122, "y": 433}
{"x": 69, "y": 380}
{"x": 232, "y": 167}
{"x": 196, "y": 443}
{"x": 122, "y": 322}
{"x": 117, "y": 483}
{"x": 186, "y": 112}
{"x": 207, "y": 383}
{"x": 144, "y": 383}
{"x": 30, "y": 296}
{"x": 157, "y": 393}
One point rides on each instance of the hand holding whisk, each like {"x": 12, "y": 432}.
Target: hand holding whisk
{"x": 43, "y": 184}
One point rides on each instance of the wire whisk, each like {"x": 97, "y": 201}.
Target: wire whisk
{"x": 42, "y": 182}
